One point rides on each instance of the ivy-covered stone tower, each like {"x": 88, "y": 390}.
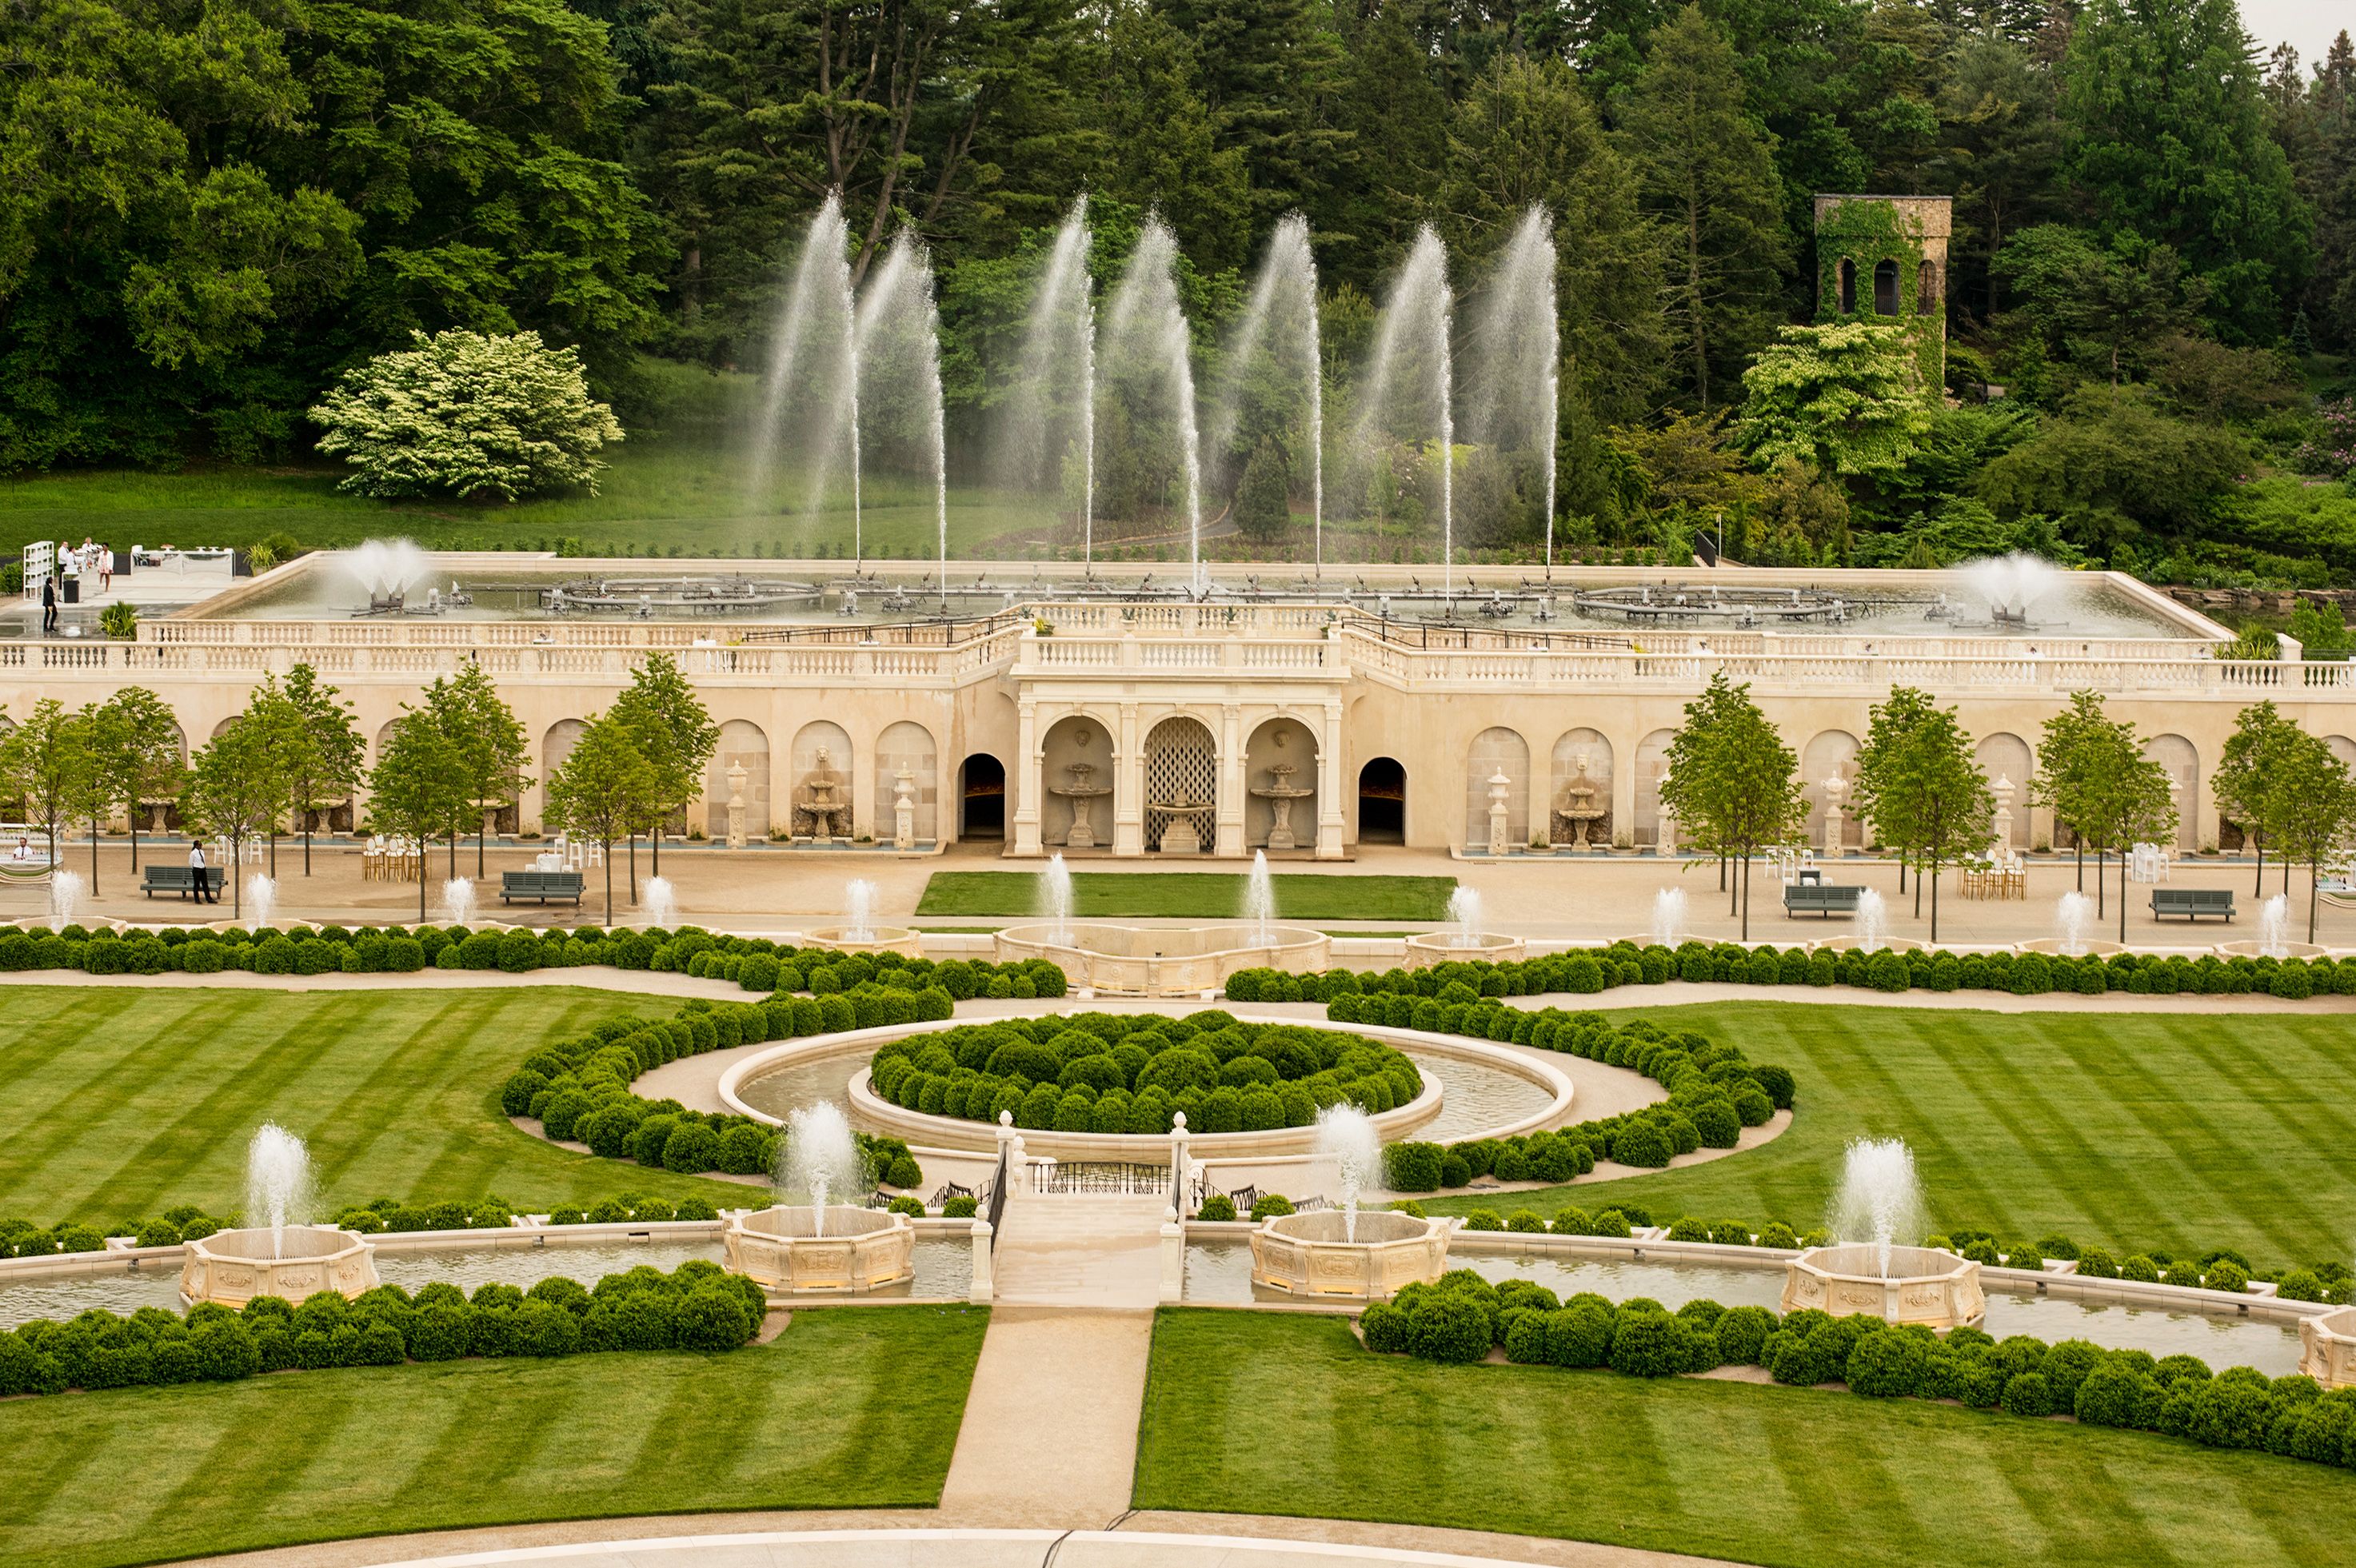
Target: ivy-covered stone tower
{"x": 1884, "y": 259}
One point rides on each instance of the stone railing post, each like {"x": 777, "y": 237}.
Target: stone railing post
{"x": 984, "y": 1285}
{"x": 1174, "y": 1256}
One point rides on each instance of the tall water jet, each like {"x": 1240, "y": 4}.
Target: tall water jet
{"x": 1346, "y": 1136}
{"x": 66, "y": 888}
{"x": 2072, "y": 918}
{"x": 1055, "y": 899}
{"x": 900, "y": 409}
{"x": 2012, "y": 584}
{"x": 1668, "y": 917}
{"x": 1410, "y": 390}
{"x": 459, "y": 902}
{"x": 1515, "y": 405}
{"x": 1259, "y": 898}
{"x": 1044, "y": 430}
{"x": 1273, "y": 358}
{"x": 278, "y": 1188}
{"x": 1879, "y": 1200}
{"x": 261, "y": 899}
{"x": 383, "y": 569}
{"x": 810, "y": 401}
{"x": 859, "y": 911}
{"x": 822, "y": 1160}
{"x": 1146, "y": 369}
{"x": 661, "y": 903}
{"x": 1872, "y": 922}
{"x": 1464, "y": 914}
{"x": 2274, "y": 927}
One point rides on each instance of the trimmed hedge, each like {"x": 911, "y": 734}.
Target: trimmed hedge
{"x": 1589, "y": 971}
{"x": 699, "y": 1308}
{"x": 2022, "y": 1376}
{"x": 1132, "y": 1072}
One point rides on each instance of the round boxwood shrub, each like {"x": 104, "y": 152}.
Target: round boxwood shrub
{"x": 1387, "y": 1328}
{"x": 712, "y": 1317}
{"x": 1269, "y": 1206}
{"x": 1742, "y": 1333}
{"x": 1217, "y": 1206}
{"x": 1450, "y": 1325}
{"x": 2028, "y": 1393}
{"x": 1641, "y": 1144}
{"x": 1648, "y": 1343}
{"x": 1889, "y": 1364}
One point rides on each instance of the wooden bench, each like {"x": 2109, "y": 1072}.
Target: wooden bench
{"x": 540, "y": 885}
{"x": 2191, "y": 903}
{"x": 1825, "y": 899}
{"x": 181, "y": 880}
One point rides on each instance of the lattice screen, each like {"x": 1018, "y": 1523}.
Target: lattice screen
{"x": 1181, "y": 762}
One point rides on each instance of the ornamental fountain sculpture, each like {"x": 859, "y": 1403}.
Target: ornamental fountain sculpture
{"x": 281, "y": 1255}
{"x": 1082, "y": 791}
{"x": 2327, "y": 1346}
{"x": 821, "y": 812}
{"x": 1580, "y": 808}
{"x": 1280, "y": 791}
{"x": 1866, "y": 1271}
{"x": 818, "y": 1245}
{"x": 1341, "y": 1251}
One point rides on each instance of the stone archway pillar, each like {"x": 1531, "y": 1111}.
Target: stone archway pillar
{"x": 1029, "y": 773}
{"x": 1129, "y": 787}
{"x": 1329, "y": 787}
{"x": 1624, "y": 800}
{"x": 1229, "y": 843}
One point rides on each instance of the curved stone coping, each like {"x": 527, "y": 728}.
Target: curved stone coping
{"x": 2118, "y": 1291}
{"x": 2257, "y": 950}
{"x": 1424, "y": 950}
{"x": 1187, "y": 960}
{"x": 956, "y": 1135}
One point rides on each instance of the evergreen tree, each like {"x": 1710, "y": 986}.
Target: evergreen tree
{"x": 1708, "y": 174}
{"x": 1270, "y": 71}
{"x": 2000, "y": 147}
{"x": 1162, "y": 153}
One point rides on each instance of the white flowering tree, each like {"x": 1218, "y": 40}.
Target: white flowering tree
{"x": 463, "y": 414}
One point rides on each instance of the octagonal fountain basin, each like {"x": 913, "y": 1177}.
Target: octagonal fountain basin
{"x": 2089, "y": 948}
{"x": 857, "y": 1250}
{"x": 1924, "y": 1284}
{"x": 232, "y": 1267}
{"x": 894, "y": 939}
{"x": 1858, "y": 945}
{"x": 2327, "y": 1348}
{"x": 1463, "y": 947}
{"x": 1155, "y": 960}
{"x": 1312, "y": 1254}
{"x": 2274, "y": 950}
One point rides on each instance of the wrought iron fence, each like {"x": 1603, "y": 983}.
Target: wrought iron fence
{"x": 1085, "y": 1176}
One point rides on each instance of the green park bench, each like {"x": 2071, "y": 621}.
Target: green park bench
{"x": 540, "y": 885}
{"x": 2191, "y": 903}
{"x": 1823, "y": 899}
{"x": 180, "y": 880}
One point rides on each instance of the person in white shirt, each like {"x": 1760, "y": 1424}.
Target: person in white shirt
{"x": 207, "y": 892}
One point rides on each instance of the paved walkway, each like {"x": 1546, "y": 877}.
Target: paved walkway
{"x": 1050, "y": 1428}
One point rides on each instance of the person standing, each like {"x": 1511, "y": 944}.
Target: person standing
{"x": 50, "y": 606}
{"x": 205, "y": 891}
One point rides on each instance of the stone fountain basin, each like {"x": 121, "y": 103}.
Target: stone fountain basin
{"x": 894, "y": 939}
{"x": 1925, "y": 1284}
{"x": 2327, "y": 1348}
{"x": 1857, "y": 944}
{"x": 232, "y": 1267}
{"x": 2092, "y": 948}
{"x": 2282, "y": 950}
{"x": 1453, "y": 947}
{"x": 1155, "y": 960}
{"x": 781, "y": 1248}
{"x": 1308, "y": 1255}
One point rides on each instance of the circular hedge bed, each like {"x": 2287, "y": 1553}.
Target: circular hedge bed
{"x": 1102, "y": 1072}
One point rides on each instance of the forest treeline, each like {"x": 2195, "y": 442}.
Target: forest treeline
{"x": 214, "y": 207}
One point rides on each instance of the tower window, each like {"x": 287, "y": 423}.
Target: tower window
{"x": 1885, "y": 288}
{"x": 1848, "y": 286}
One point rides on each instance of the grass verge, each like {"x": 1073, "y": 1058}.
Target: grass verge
{"x": 123, "y": 1103}
{"x": 1757, "y": 1474}
{"x": 1189, "y": 895}
{"x": 847, "y": 1409}
{"x": 2124, "y": 1130}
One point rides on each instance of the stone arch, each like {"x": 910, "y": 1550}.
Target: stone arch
{"x": 1885, "y": 288}
{"x": 2007, "y": 756}
{"x": 1382, "y": 801}
{"x": 821, "y": 780}
{"x": 555, "y": 746}
{"x": 1652, "y": 767}
{"x": 741, "y": 742}
{"x": 1182, "y": 766}
{"x": 1846, "y": 274}
{"x": 908, "y": 746}
{"x": 222, "y": 729}
{"x": 1077, "y": 741}
{"x": 1570, "y": 749}
{"x": 1281, "y": 741}
{"x": 981, "y": 797}
{"x": 2342, "y": 747}
{"x": 1832, "y": 752}
{"x": 1495, "y": 751}
{"x": 2182, "y": 760}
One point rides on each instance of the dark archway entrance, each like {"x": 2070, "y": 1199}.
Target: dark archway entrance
{"x": 981, "y": 797}
{"x": 1382, "y": 801}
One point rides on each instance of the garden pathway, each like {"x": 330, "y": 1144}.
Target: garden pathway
{"x": 1050, "y": 1428}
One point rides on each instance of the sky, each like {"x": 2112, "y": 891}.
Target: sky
{"x": 2309, "y": 25}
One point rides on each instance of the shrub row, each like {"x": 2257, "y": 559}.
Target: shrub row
{"x": 1107, "y": 1072}
{"x": 1627, "y": 964}
{"x": 1462, "y": 1316}
{"x": 1714, "y": 1093}
{"x": 755, "y": 962}
{"x": 699, "y": 1308}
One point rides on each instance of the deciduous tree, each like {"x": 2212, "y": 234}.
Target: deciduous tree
{"x": 1920, "y": 784}
{"x": 605, "y": 790}
{"x": 1731, "y": 781}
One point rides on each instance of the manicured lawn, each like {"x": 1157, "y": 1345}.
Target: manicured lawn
{"x": 1273, "y": 1414}
{"x": 1189, "y": 895}
{"x": 120, "y": 1103}
{"x": 851, "y": 1408}
{"x": 2126, "y": 1130}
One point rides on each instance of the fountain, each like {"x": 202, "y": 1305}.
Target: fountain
{"x": 260, "y": 899}
{"x": 1582, "y": 809}
{"x": 384, "y": 570}
{"x": 1868, "y": 1270}
{"x": 458, "y": 901}
{"x": 812, "y": 385}
{"x": 2327, "y": 1346}
{"x": 1140, "y": 961}
{"x": 2011, "y": 585}
{"x": 1083, "y": 791}
{"x": 1464, "y": 940}
{"x": 1280, "y": 791}
{"x": 897, "y": 344}
{"x": 66, "y": 888}
{"x": 660, "y": 902}
{"x": 2274, "y": 936}
{"x": 1515, "y": 405}
{"x": 1669, "y": 928}
{"x": 816, "y": 1245}
{"x": 1055, "y": 899}
{"x": 1340, "y": 1251}
{"x": 1872, "y": 929}
{"x": 283, "y": 1256}
{"x": 1259, "y": 899}
{"x": 1274, "y": 345}
{"x": 860, "y": 934}
{"x": 2074, "y": 917}
{"x": 1399, "y": 391}
{"x": 1147, "y": 363}
{"x": 1048, "y": 418}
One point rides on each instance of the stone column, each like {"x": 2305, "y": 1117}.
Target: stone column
{"x": 904, "y": 810}
{"x": 1835, "y": 787}
{"x": 1128, "y": 785}
{"x": 736, "y": 806}
{"x": 1180, "y": 1189}
{"x": 1228, "y": 842}
{"x": 1500, "y": 836}
{"x": 1330, "y": 776}
{"x": 1027, "y": 782}
{"x": 984, "y": 1285}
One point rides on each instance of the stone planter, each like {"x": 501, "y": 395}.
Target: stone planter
{"x": 1306, "y": 1255}
{"x": 232, "y": 1267}
{"x": 1924, "y": 1284}
{"x": 1450, "y": 947}
{"x": 2327, "y": 1348}
{"x": 862, "y": 1250}
{"x": 894, "y": 939}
